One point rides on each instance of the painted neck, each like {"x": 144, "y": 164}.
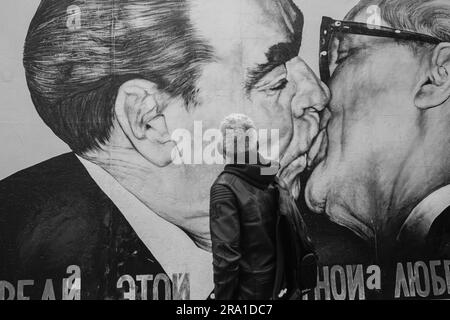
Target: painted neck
{"x": 158, "y": 189}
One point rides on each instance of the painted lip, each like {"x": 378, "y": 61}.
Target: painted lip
{"x": 316, "y": 192}
{"x": 317, "y": 206}
{"x": 317, "y": 151}
{"x": 289, "y": 155}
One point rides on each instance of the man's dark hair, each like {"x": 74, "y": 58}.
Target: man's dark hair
{"x": 79, "y": 52}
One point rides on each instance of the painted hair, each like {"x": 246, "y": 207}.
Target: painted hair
{"x": 79, "y": 52}
{"x": 430, "y": 17}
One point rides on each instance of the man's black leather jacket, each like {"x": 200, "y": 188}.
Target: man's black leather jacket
{"x": 243, "y": 224}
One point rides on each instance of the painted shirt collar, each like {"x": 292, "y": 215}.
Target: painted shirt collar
{"x": 419, "y": 222}
{"x": 171, "y": 246}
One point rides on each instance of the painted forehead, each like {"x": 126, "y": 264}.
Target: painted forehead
{"x": 369, "y": 16}
{"x": 292, "y": 18}
{"x": 247, "y": 27}
{"x": 289, "y": 20}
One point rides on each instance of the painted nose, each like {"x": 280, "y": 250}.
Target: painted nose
{"x": 311, "y": 92}
{"x": 310, "y": 98}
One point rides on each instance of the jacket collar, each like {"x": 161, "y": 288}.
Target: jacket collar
{"x": 252, "y": 173}
{"x": 420, "y": 220}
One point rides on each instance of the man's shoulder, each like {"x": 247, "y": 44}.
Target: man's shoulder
{"x": 222, "y": 189}
{"x": 58, "y": 174}
{"x": 51, "y": 214}
{"x": 42, "y": 172}
{"x": 49, "y": 190}
{"x": 224, "y": 179}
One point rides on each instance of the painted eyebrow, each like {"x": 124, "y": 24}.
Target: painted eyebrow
{"x": 276, "y": 55}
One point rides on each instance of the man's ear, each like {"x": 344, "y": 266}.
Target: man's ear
{"x": 139, "y": 113}
{"x": 436, "y": 90}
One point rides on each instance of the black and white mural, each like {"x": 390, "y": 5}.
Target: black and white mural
{"x": 111, "y": 114}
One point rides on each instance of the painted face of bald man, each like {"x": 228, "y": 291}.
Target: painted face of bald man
{"x": 388, "y": 131}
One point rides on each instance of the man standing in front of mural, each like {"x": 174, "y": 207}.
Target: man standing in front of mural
{"x": 243, "y": 217}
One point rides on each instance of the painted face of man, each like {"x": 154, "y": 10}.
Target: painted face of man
{"x": 379, "y": 140}
{"x": 257, "y": 72}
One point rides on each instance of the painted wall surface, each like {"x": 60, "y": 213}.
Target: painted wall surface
{"x": 361, "y": 144}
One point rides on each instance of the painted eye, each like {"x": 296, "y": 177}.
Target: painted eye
{"x": 342, "y": 57}
{"x": 273, "y": 83}
{"x": 280, "y": 85}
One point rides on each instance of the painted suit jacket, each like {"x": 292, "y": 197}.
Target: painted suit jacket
{"x": 55, "y": 220}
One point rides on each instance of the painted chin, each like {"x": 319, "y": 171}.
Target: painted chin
{"x": 338, "y": 192}
{"x": 324, "y": 196}
{"x": 317, "y": 190}
{"x": 318, "y": 184}
{"x": 341, "y": 214}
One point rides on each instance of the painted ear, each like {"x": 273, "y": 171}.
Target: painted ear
{"x": 141, "y": 119}
{"x": 436, "y": 90}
